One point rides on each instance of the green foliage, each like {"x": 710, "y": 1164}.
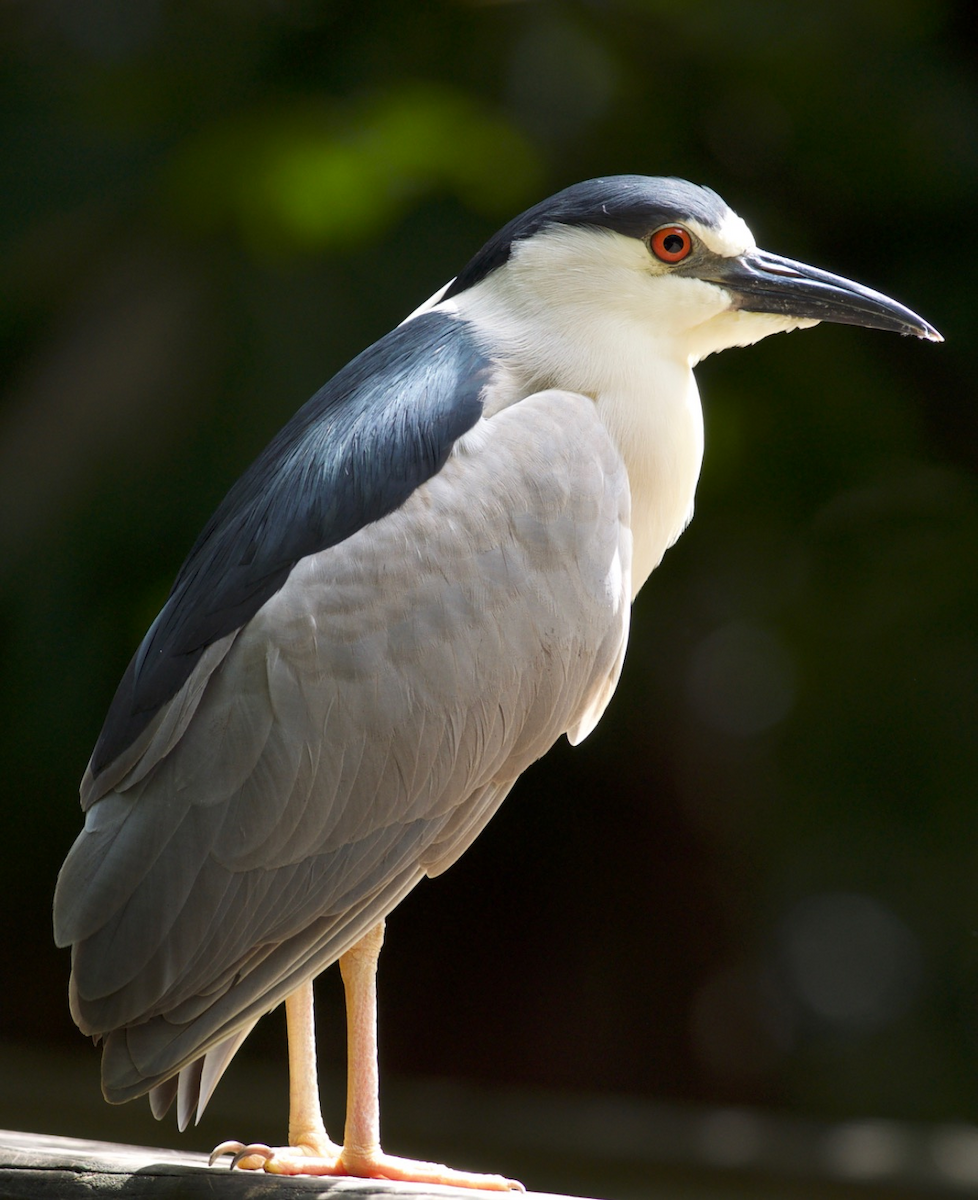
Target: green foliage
{"x": 311, "y": 177}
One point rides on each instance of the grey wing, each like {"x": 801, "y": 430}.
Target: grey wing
{"x": 356, "y": 734}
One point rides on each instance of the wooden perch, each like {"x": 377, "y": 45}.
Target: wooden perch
{"x": 35, "y": 1166}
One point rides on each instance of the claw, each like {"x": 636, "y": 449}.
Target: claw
{"x": 240, "y": 1152}
{"x": 256, "y": 1150}
{"x": 222, "y": 1149}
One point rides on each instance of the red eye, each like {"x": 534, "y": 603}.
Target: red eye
{"x": 671, "y": 243}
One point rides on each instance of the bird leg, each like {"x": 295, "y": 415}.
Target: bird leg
{"x": 311, "y": 1152}
{"x": 307, "y": 1133}
{"x": 306, "y": 1129}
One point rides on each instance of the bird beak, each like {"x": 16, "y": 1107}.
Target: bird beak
{"x": 767, "y": 283}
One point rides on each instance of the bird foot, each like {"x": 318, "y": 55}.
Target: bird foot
{"x": 256, "y": 1155}
{"x": 249, "y": 1158}
{"x": 301, "y": 1160}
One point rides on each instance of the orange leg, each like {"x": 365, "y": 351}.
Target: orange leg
{"x": 307, "y": 1133}
{"x": 310, "y": 1151}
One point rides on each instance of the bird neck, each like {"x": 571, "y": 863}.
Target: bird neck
{"x": 643, "y": 388}
{"x": 657, "y": 426}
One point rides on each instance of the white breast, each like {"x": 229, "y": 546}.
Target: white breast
{"x": 657, "y": 426}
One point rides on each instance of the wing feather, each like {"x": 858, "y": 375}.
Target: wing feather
{"x": 355, "y": 734}
{"x": 356, "y": 451}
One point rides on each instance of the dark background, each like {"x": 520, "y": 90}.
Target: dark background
{"x": 756, "y": 881}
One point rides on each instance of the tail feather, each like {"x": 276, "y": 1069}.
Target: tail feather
{"x": 194, "y": 1085}
{"x": 162, "y": 1096}
{"x": 188, "y": 1089}
{"x": 216, "y": 1062}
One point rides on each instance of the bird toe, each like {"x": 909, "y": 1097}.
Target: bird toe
{"x": 249, "y": 1158}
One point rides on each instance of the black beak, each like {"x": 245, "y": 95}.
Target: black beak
{"x": 767, "y": 283}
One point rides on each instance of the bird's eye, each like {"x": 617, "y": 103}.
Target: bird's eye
{"x": 671, "y": 243}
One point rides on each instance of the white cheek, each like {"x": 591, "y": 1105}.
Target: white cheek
{"x": 732, "y": 328}
{"x": 678, "y": 305}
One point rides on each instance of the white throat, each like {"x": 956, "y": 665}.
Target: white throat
{"x": 585, "y": 326}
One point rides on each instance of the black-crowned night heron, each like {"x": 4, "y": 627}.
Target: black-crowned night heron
{"x": 422, "y": 582}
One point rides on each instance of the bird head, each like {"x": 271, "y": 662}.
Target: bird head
{"x": 663, "y": 259}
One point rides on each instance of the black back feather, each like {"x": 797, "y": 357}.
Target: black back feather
{"x": 354, "y": 453}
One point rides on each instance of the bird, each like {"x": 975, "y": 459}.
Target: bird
{"x": 421, "y": 583}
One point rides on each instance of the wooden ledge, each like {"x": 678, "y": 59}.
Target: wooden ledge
{"x": 37, "y": 1166}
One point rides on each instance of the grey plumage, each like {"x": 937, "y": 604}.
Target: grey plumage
{"x": 354, "y": 735}
{"x": 380, "y": 427}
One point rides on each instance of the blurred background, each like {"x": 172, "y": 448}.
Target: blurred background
{"x": 208, "y": 208}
